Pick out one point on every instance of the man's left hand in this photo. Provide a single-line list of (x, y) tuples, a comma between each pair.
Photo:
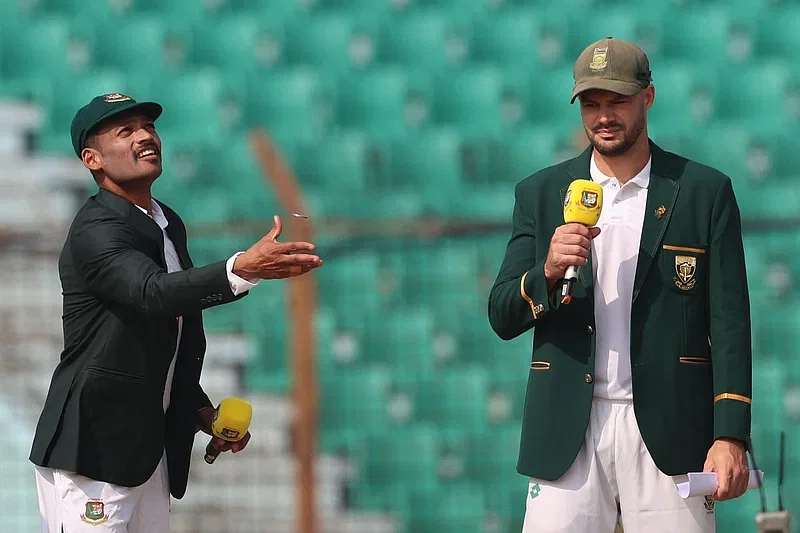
[(205, 417), (728, 459)]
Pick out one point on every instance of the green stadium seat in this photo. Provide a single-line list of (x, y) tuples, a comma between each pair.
[(402, 340), (520, 153), (492, 456), (292, 101), (350, 284), (338, 161), (261, 9), (443, 276), (470, 98), (332, 42), (505, 503), (239, 43), (754, 95), (760, 202), (371, 9), (722, 147), (47, 46), (508, 37), (391, 499), (234, 166), (176, 11), (422, 39), (484, 204), (697, 28), (205, 205), (777, 32), (375, 101), (100, 11), (67, 94), (457, 401), (162, 45), (676, 84), (467, 7), (407, 456), (403, 207), (548, 99), (460, 508), (191, 100), (620, 22), (429, 160), (355, 399)]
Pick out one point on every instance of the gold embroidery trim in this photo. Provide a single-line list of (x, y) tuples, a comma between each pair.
[(695, 360), (684, 249), (732, 396), (540, 365), (526, 297)]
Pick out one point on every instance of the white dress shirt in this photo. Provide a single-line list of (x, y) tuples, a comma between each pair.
[(614, 255), (238, 285)]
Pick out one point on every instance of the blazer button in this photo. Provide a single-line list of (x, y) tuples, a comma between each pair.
[(588, 378), (590, 329)]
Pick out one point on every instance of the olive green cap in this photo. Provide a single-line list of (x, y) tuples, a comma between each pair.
[(611, 65), (101, 108)]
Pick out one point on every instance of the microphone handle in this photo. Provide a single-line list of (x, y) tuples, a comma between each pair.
[(211, 452), (569, 282)]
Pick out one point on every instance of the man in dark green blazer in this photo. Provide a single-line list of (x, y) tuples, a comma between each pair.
[(115, 435), (646, 374)]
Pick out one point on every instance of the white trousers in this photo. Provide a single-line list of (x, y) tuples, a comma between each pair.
[(70, 503), (614, 481)]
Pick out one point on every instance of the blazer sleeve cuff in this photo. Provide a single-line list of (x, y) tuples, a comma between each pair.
[(732, 416), (533, 289)]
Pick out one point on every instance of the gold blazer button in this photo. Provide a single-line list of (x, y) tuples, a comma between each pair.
[(590, 329), (588, 378)]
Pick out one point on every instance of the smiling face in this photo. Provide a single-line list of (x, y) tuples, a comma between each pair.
[(124, 149), (614, 122)]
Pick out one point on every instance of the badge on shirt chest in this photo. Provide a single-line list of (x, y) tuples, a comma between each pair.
[(685, 270)]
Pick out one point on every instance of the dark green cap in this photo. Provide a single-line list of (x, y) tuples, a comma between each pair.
[(101, 108), (611, 65)]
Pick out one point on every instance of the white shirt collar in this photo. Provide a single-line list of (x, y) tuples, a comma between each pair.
[(156, 213), (642, 179)]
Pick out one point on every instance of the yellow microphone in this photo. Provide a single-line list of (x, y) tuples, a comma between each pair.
[(231, 423), (582, 204)]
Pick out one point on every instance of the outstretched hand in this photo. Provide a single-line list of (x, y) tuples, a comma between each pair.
[(270, 259)]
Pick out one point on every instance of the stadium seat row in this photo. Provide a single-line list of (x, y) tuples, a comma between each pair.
[(388, 102), (425, 34)]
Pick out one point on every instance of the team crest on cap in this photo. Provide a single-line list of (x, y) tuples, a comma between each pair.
[(599, 59), (115, 97)]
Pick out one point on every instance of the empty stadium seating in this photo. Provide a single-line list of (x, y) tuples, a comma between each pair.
[(393, 109)]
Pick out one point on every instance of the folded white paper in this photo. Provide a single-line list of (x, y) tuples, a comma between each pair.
[(705, 483)]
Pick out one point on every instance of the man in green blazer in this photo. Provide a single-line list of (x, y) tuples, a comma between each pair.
[(115, 435), (646, 374)]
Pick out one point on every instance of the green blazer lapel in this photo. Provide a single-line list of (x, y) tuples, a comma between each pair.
[(578, 169), (134, 215), (661, 196)]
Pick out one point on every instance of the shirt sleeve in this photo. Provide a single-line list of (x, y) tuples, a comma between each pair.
[(238, 285)]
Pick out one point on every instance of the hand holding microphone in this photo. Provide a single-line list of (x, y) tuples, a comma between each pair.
[(570, 245), (230, 424)]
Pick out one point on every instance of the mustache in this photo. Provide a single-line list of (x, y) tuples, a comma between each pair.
[(145, 146)]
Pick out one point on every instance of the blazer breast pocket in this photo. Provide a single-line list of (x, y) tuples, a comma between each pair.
[(685, 268)]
